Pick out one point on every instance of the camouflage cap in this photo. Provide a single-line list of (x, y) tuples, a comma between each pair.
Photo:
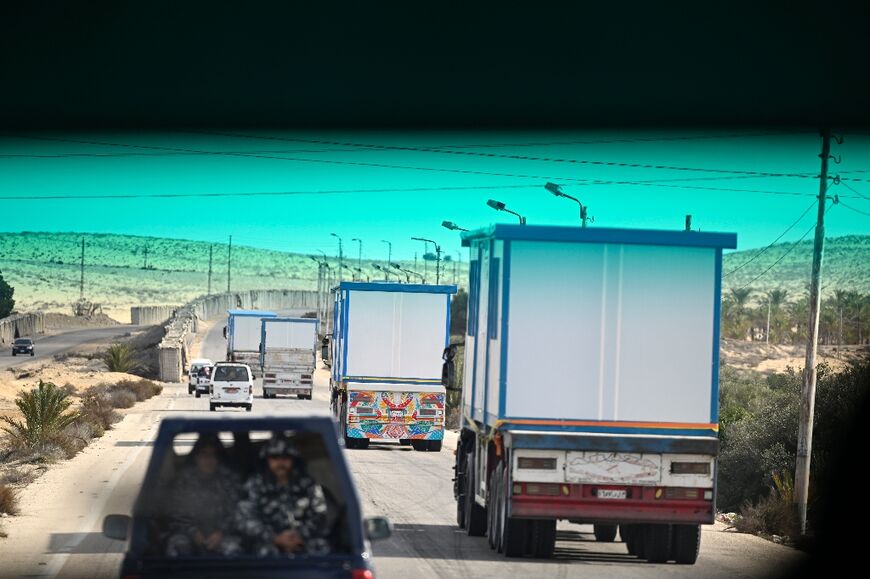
[(279, 446)]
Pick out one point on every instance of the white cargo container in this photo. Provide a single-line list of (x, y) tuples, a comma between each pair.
[(591, 387), (243, 336), (386, 370), (288, 356)]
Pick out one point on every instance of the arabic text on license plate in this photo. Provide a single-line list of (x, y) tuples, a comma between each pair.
[(611, 494)]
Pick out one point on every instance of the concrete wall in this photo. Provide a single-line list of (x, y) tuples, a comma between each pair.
[(28, 325), (150, 315), (174, 350)]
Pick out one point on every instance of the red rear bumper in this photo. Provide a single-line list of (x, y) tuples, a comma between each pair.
[(641, 506)]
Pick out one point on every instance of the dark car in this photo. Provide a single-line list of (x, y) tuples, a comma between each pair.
[(22, 346), (244, 447)]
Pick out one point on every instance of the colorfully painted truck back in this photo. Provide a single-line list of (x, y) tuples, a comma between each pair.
[(591, 385), (243, 336), (288, 356), (386, 371)]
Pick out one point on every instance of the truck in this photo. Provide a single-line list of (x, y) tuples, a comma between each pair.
[(590, 390), (243, 334), (387, 344), (288, 356)]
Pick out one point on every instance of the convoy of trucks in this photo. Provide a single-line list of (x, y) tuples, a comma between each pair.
[(386, 362), (243, 334), (590, 387), (288, 357)]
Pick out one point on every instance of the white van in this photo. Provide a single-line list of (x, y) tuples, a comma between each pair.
[(194, 377), (232, 384)]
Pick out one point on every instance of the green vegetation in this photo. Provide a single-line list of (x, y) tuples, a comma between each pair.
[(6, 301), (8, 500), (844, 317), (121, 358), (758, 435), (45, 411)]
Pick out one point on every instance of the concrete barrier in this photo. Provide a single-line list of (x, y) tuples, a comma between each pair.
[(150, 315), (28, 325), (174, 350)]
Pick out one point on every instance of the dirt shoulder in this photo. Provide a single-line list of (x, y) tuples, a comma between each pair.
[(773, 358)]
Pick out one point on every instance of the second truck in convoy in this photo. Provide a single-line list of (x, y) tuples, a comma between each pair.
[(243, 334), (386, 362), (591, 387), (288, 356)]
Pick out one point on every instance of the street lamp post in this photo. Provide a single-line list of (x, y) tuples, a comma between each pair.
[(499, 206), (359, 256), (452, 226), (340, 256), (557, 191), (437, 257), (389, 259), (408, 272)]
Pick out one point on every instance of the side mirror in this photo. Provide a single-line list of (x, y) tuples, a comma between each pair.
[(116, 527), (377, 528)]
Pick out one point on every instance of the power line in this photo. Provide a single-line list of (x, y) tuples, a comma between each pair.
[(789, 250), (166, 154), (513, 157), (853, 190), (763, 250), (625, 140), (850, 208)]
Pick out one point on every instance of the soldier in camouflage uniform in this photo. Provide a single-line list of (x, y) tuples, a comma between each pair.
[(201, 504), (282, 510)]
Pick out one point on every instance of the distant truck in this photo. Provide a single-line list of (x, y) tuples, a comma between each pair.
[(591, 387), (288, 356), (243, 334), (386, 362)]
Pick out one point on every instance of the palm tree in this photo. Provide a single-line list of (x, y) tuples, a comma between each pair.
[(839, 305), (740, 298), (774, 300)]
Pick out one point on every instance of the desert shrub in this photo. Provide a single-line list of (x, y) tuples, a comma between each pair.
[(8, 500), (774, 514), (758, 436), (121, 358), (69, 389), (46, 415), (142, 389), (97, 409), (17, 476), (122, 398)]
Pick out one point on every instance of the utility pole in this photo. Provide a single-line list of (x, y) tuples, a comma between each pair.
[(145, 265), (808, 392), (767, 331), (210, 252), (229, 262), (389, 259), (82, 281), (359, 256)]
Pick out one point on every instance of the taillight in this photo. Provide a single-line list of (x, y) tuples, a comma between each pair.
[(537, 463), (362, 574), (683, 493), (690, 468)]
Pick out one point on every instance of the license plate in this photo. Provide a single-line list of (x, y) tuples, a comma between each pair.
[(232, 390), (611, 494)]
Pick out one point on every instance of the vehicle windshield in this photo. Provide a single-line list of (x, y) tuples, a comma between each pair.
[(231, 374), (243, 494), (23, 342)]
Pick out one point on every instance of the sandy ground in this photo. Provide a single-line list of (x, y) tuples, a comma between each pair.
[(58, 532), (769, 359)]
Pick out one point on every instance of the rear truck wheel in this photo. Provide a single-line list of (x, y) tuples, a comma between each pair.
[(685, 544), (604, 533), (405, 441), (300, 396), (32, 352), (189, 389), (627, 534), (657, 543), (492, 511), (198, 394), (543, 538), (459, 485), (420, 445), (211, 407), (435, 445), (475, 524), (514, 533)]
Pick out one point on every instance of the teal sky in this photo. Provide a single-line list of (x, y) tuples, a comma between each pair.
[(161, 163)]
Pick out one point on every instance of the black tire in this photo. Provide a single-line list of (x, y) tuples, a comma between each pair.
[(685, 544), (514, 534), (435, 445), (405, 441), (420, 445), (543, 538), (248, 407), (32, 353), (211, 407), (300, 396), (492, 534), (459, 486), (475, 514), (13, 353), (628, 534), (604, 533), (657, 543), (198, 394)]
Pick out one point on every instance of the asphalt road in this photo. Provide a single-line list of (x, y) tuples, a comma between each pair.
[(47, 346), (58, 532)]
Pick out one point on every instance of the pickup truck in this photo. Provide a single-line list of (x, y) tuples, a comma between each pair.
[(145, 532)]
